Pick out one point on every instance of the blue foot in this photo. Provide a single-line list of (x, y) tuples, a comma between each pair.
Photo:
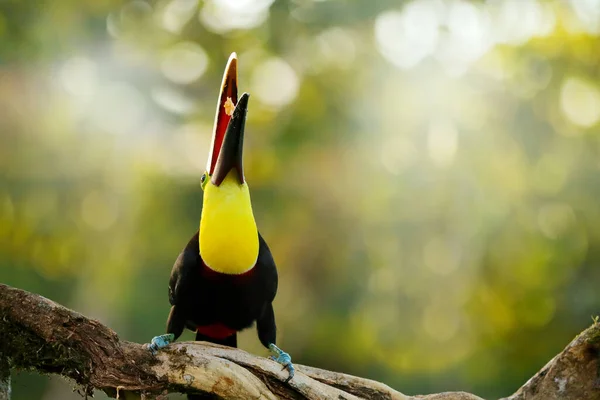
[(284, 359), (158, 342)]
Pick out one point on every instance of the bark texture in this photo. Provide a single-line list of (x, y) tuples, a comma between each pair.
[(4, 379), (39, 334)]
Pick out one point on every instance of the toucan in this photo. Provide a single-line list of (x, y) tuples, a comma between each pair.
[(225, 278)]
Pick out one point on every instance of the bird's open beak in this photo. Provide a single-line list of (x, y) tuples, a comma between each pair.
[(228, 133), (230, 154)]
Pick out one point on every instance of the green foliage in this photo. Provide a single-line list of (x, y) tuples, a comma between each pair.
[(425, 176)]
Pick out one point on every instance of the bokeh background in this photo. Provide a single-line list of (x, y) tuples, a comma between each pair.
[(426, 172)]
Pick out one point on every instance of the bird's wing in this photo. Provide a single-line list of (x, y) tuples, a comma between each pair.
[(181, 274), (268, 270)]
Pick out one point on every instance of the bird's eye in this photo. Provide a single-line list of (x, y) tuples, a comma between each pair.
[(203, 178)]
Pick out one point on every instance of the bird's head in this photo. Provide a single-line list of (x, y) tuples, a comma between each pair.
[(228, 233)]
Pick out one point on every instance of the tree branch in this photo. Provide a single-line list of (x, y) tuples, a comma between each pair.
[(39, 334), (572, 374), (4, 378)]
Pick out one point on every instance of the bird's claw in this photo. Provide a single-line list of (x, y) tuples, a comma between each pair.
[(284, 359), (158, 342)]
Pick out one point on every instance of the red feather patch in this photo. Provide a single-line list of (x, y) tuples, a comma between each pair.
[(216, 331)]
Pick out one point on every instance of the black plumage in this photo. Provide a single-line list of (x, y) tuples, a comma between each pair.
[(201, 297)]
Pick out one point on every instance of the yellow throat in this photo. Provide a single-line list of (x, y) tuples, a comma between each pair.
[(228, 233)]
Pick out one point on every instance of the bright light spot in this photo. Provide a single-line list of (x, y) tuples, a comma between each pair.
[(468, 39), (184, 63), (397, 154), (440, 256), (135, 11), (458, 32), (588, 12), (119, 108), (337, 47), (196, 138), (177, 13), (182, 155), (547, 22), (306, 54), (131, 15), (580, 102), (99, 211), (405, 38), (554, 219), (172, 100), (221, 16), (533, 20), (275, 82), (79, 76), (442, 143)]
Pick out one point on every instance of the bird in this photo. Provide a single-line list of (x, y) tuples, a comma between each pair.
[(225, 278)]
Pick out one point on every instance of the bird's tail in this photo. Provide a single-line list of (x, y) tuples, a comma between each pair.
[(230, 341)]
